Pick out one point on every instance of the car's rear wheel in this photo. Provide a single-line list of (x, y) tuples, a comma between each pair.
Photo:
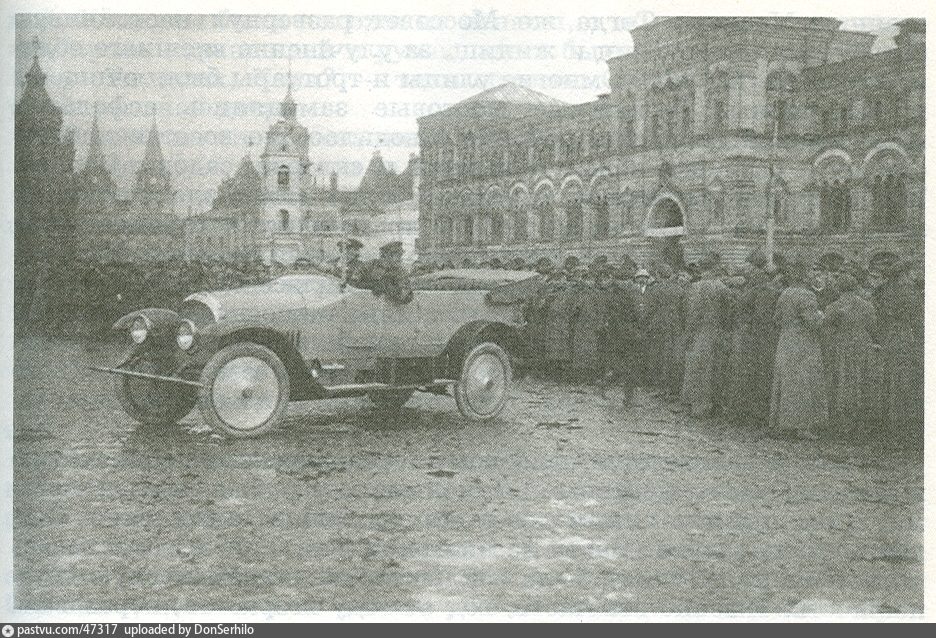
[(150, 401), (245, 390), (389, 400), (481, 391)]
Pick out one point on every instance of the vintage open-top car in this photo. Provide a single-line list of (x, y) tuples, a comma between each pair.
[(242, 355)]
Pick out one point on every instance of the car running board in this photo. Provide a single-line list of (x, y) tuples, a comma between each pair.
[(359, 389)]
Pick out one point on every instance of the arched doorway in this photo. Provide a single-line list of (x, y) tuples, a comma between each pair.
[(665, 225)]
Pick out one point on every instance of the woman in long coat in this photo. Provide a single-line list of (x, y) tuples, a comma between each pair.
[(798, 402), (850, 323)]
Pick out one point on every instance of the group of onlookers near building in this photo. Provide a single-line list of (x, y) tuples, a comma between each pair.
[(806, 349)]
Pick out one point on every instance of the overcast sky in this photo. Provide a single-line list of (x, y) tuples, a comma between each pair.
[(215, 82)]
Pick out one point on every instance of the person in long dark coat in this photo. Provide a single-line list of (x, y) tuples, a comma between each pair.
[(798, 403), (739, 404), (559, 326), (664, 326), (850, 323), (589, 324), (708, 305), (761, 297), (900, 308), (735, 351), (536, 314), (623, 333)]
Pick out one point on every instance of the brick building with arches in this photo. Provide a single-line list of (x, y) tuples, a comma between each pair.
[(711, 125)]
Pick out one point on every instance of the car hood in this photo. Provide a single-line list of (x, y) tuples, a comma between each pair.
[(293, 292)]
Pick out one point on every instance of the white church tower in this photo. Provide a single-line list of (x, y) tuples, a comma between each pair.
[(285, 161)]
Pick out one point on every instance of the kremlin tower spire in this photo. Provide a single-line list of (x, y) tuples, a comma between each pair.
[(95, 157)]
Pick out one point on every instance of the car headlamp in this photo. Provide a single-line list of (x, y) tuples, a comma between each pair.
[(140, 329), (185, 336)]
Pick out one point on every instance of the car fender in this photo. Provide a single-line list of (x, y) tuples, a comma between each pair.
[(161, 319), (475, 332), (303, 385)]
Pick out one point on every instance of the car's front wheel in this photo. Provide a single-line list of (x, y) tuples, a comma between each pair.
[(481, 391), (245, 390), (151, 401)]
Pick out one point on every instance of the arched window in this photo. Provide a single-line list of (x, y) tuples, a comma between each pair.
[(571, 198), (887, 175), (835, 206), (468, 230), (834, 177), (888, 201), (546, 214), (492, 209), (284, 219), (282, 178), (781, 87), (602, 217), (627, 211), (574, 220), (519, 223), (497, 227), (717, 102), (519, 204)]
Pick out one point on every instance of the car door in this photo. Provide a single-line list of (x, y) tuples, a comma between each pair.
[(398, 323), (361, 323)]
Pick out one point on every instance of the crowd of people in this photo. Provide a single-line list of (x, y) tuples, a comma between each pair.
[(87, 297), (806, 349)]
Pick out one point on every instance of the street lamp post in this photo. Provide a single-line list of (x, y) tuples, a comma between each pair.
[(769, 213)]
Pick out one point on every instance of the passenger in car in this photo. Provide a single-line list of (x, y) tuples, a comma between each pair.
[(387, 276)]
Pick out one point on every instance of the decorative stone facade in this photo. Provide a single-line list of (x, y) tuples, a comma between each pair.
[(678, 158)]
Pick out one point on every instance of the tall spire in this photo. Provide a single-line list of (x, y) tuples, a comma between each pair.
[(35, 108), (288, 106), (35, 78), (95, 153), (152, 156)]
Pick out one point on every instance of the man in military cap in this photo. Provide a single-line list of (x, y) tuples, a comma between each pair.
[(387, 276)]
